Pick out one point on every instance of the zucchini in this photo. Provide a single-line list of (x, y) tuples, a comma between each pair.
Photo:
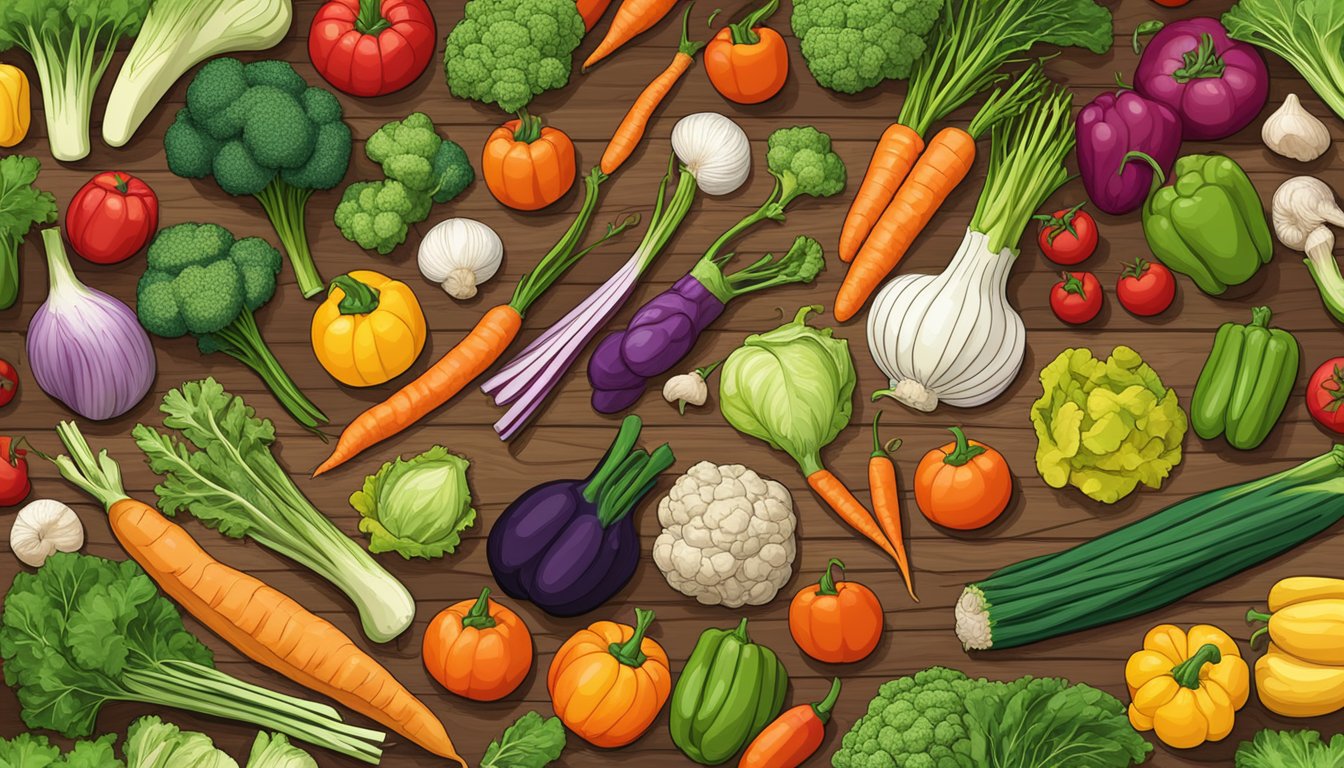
[(1154, 561)]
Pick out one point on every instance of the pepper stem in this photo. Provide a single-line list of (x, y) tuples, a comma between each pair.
[(741, 631), (360, 297), (479, 616), (370, 20), (1260, 317), (529, 127), (826, 584), (964, 451), (1187, 672), (1201, 62), (1253, 616), (630, 652), (1159, 175), (121, 184), (822, 709), (744, 32)]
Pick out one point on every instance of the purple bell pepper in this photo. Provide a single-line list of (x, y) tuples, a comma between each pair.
[(1112, 126), (1216, 85), (570, 545)]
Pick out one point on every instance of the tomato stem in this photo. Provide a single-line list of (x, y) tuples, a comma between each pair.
[(1137, 269), (479, 616), (1336, 392), (826, 584), (370, 20), (1072, 284), (964, 451), (1059, 224), (120, 182)]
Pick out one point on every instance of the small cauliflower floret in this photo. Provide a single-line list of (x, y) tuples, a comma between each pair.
[(727, 536)]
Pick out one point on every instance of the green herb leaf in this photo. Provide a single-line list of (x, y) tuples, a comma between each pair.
[(531, 742), (1290, 749)]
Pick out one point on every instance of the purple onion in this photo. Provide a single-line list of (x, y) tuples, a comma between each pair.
[(1110, 127), (86, 348), (1216, 85)]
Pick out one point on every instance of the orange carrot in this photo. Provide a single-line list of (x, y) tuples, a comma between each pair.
[(940, 169), (892, 159), (633, 18), (851, 510), (263, 623), (887, 501), (631, 129), (591, 11)]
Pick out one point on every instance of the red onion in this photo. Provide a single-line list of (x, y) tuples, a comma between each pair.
[(86, 348)]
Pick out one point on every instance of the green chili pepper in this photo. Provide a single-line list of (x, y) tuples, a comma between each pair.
[(730, 689), (1246, 382), (1208, 224)]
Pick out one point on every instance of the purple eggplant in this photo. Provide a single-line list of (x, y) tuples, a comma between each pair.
[(665, 329), (1112, 126), (1216, 85), (570, 545)]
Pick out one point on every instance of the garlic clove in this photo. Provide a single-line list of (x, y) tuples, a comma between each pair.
[(460, 283), (1294, 132), (42, 528)]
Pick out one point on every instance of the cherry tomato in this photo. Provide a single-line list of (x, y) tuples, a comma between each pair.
[(1077, 297), (1146, 288), (1068, 236), (9, 382), (111, 217), (1325, 395)]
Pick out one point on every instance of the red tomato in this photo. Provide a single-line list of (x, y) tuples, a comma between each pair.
[(112, 217), (1325, 394), (1146, 288), (372, 47), (1068, 236), (9, 382), (1171, 3), (1077, 297)]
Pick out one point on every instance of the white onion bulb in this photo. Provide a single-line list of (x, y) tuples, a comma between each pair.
[(714, 149), (459, 255)]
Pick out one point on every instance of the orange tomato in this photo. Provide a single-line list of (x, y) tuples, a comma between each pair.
[(747, 72), (608, 682), (837, 622), (963, 485), (478, 649), (526, 166)]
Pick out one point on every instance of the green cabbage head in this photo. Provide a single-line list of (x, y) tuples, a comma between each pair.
[(1106, 426), (791, 387), (418, 508)]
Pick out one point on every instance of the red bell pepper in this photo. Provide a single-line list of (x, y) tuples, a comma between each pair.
[(14, 484), (372, 47), (9, 382)]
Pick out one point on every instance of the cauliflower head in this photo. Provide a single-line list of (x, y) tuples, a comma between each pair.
[(727, 536)]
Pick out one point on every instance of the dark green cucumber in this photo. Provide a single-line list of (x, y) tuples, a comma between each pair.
[(1213, 390)]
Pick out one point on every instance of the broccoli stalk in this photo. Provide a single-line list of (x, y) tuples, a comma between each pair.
[(200, 281), (71, 43), (21, 206), (287, 206)]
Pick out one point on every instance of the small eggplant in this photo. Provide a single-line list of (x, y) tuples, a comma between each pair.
[(570, 545)]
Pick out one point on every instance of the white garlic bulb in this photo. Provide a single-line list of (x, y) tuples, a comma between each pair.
[(686, 389), (42, 528), (459, 255), (714, 149), (1294, 132)]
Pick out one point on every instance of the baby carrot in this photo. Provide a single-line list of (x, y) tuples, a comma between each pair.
[(887, 500), (850, 510)]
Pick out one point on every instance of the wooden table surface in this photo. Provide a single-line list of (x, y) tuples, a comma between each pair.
[(568, 438)]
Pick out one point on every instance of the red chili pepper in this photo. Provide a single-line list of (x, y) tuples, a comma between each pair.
[(14, 485), (793, 736), (9, 382), (372, 47)]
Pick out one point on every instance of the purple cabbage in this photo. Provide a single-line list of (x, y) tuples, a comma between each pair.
[(1112, 126), (1216, 85), (570, 545)]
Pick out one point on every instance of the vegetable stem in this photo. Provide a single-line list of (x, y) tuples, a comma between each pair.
[(687, 46), (529, 127), (744, 32), (741, 632), (479, 616), (630, 653), (564, 253), (360, 298), (1201, 62), (99, 477), (616, 454), (823, 708), (61, 274), (1149, 27), (1187, 672), (286, 206), (964, 451), (826, 584), (241, 340), (370, 20), (881, 450)]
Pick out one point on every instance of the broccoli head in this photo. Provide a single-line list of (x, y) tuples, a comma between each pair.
[(420, 169), (505, 52), (917, 721), (851, 45), (260, 130), (802, 159), (200, 280)]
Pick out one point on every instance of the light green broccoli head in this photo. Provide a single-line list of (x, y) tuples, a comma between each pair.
[(505, 52), (376, 215), (852, 45), (917, 721), (411, 152), (199, 279), (802, 159)]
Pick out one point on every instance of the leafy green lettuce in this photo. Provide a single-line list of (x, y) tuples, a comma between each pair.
[(273, 750), (531, 742), (418, 508), (152, 743), (1290, 749), (1106, 426), (29, 750), (1308, 33)]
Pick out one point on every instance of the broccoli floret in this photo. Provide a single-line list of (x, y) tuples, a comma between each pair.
[(420, 169), (851, 45), (914, 722), (505, 52), (200, 280), (802, 159), (260, 130)]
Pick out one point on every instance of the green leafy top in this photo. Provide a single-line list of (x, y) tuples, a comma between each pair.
[(68, 31), (531, 742), (1308, 33), (417, 508), (21, 205), (505, 52), (30, 750), (1291, 749)]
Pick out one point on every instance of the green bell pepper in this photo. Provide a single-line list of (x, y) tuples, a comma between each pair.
[(1246, 382), (1208, 224), (730, 689)]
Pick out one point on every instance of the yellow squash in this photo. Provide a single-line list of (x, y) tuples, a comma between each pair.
[(15, 106), (1186, 686), (1302, 673), (369, 330)]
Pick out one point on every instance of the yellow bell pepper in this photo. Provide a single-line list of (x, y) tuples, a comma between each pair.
[(369, 330), (15, 105), (1187, 686), (1302, 673)]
